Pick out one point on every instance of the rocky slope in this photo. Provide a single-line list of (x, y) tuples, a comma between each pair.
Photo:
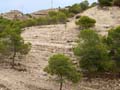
[(106, 18), (51, 39), (46, 41)]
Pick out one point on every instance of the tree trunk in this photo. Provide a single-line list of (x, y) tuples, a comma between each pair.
[(13, 60), (61, 83)]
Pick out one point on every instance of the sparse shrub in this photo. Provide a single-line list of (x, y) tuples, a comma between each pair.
[(94, 4), (52, 13), (105, 2), (30, 22), (30, 16), (78, 16), (57, 17), (85, 22), (84, 5), (67, 13), (61, 17), (75, 8), (43, 21), (116, 2)]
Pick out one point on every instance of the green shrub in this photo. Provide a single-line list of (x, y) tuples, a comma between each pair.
[(113, 41), (116, 2), (105, 2), (43, 21), (11, 43), (94, 4), (92, 53), (67, 13), (30, 16), (75, 8), (84, 5), (57, 17), (85, 22), (62, 17), (78, 16)]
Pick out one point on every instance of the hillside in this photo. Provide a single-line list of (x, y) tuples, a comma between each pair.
[(47, 40), (15, 14), (106, 18)]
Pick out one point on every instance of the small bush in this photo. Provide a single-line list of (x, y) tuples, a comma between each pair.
[(78, 16), (94, 4), (85, 22), (105, 2), (75, 9), (84, 5), (67, 13), (116, 2), (30, 16), (57, 17)]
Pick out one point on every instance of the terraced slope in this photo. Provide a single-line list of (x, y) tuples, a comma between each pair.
[(106, 18), (46, 41), (51, 39)]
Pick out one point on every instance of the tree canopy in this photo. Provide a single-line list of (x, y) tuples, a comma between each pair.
[(113, 41), (11, 42), (61, 66), (92, 52)]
